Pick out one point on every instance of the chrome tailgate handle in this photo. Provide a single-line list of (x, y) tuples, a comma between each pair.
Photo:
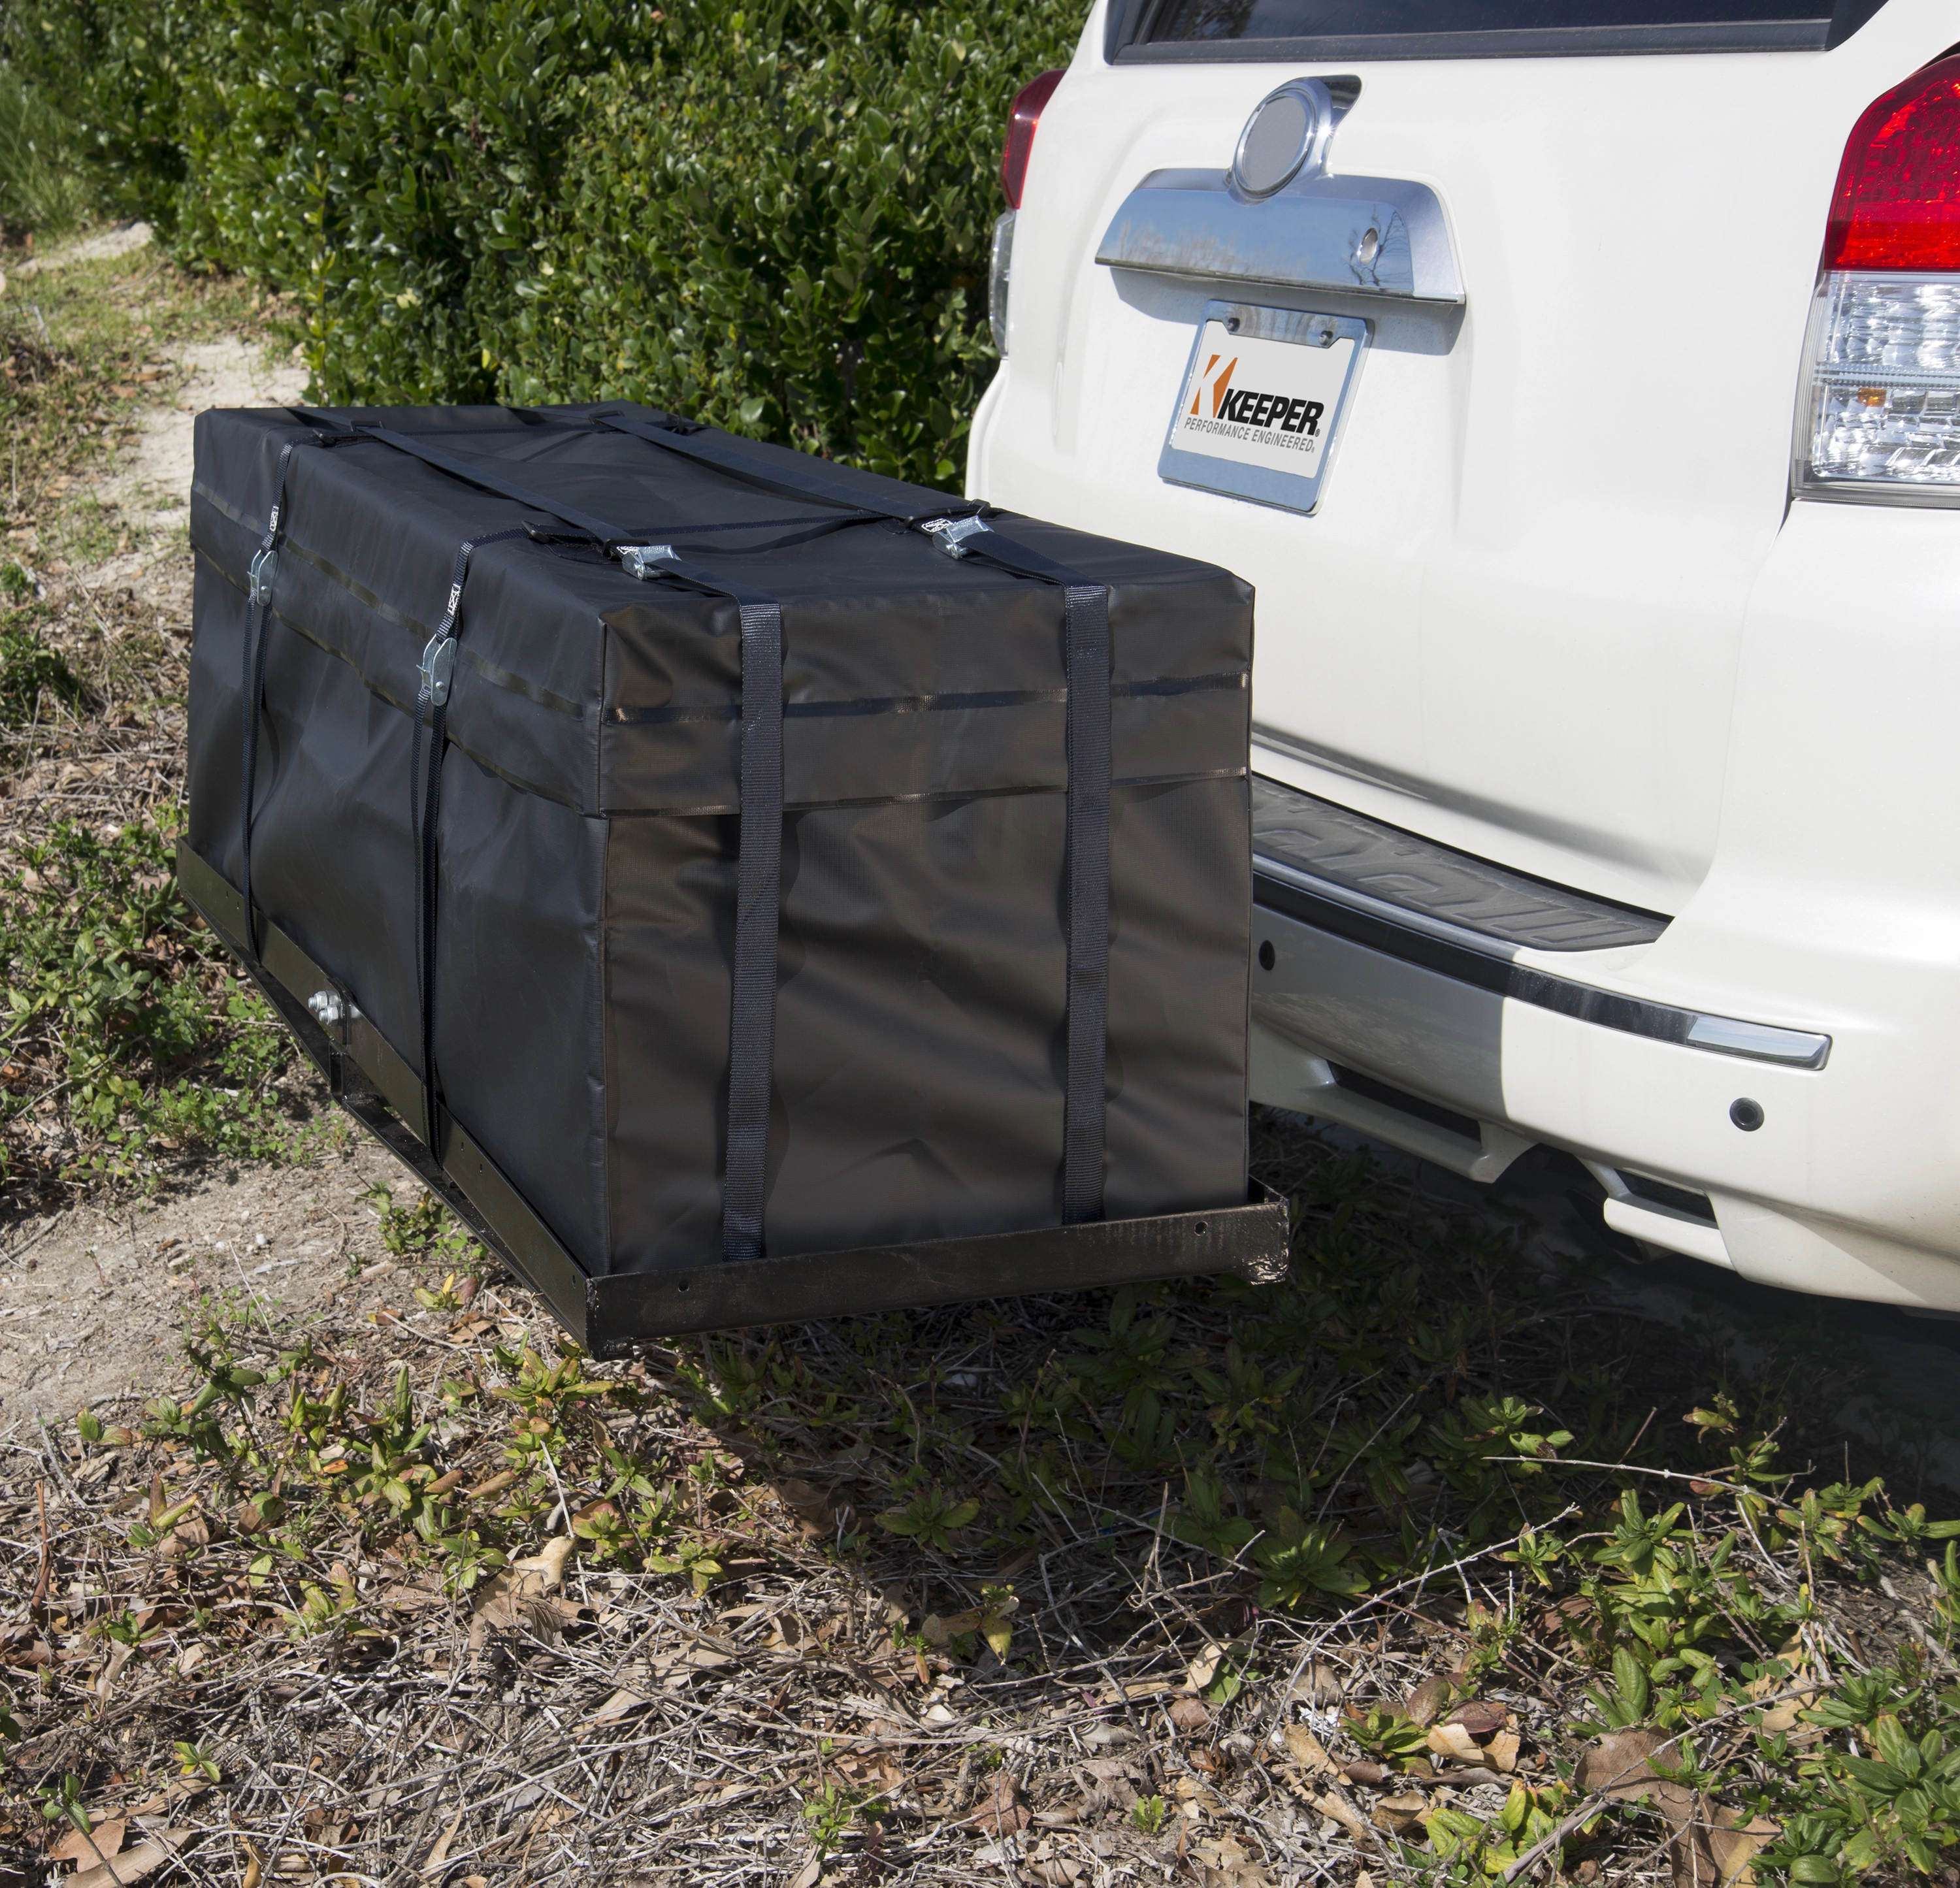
[(1372, 236)]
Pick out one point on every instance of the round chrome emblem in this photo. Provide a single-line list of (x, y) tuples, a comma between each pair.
[(1287, 133)]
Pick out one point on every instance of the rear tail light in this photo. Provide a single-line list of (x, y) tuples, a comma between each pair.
[(1023, 116), (1881, 417)]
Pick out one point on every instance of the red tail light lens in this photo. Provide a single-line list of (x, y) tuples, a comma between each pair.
[(1897, 205), (1022, 120)]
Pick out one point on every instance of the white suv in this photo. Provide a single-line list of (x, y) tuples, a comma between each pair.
[(1576, 380)]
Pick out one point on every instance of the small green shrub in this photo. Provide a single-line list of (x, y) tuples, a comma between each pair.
[(33, 676)]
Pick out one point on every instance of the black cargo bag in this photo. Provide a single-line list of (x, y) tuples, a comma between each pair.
[(810, 893)]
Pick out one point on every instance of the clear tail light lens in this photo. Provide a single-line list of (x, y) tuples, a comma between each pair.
[(1000, 268), (1884, 395), (1881, 415)]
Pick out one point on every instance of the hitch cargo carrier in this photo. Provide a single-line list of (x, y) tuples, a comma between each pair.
[(744, 888)]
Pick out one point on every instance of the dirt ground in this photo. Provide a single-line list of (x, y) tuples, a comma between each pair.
[(94, 1301)]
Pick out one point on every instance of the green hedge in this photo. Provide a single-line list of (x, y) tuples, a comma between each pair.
[(775, 217)]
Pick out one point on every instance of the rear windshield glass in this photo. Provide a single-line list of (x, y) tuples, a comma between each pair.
[(1446, 28)]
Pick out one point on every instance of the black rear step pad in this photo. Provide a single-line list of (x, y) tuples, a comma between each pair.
[(608, 1315), (1408, 898), (1387, 865)]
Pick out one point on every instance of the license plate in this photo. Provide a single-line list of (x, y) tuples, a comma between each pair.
[(1262, 402)]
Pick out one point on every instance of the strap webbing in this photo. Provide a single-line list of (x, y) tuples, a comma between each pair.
[(262, 575), (1086, 643), (752, 995), (475, 472), (1086, 625), (252, 687), (425, 810), (472, 471), (706, 445), (752, 1004)]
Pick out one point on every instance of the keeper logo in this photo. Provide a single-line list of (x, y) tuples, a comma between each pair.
[(1241, 406)]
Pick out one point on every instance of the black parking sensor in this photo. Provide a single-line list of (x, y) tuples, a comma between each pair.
[(1748, 1115)]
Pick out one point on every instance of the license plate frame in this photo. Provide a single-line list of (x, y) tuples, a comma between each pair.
[(1251, 461)]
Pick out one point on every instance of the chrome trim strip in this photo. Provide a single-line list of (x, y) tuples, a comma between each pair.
[(1758, 1041), (1311, 234), (1431, 945)]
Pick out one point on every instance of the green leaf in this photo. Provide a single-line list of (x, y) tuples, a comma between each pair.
[(1630, 1680)]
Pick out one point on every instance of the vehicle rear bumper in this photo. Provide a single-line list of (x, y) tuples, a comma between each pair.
[(1848, 1188)]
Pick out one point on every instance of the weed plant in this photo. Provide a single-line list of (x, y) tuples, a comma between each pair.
[(45, 189)]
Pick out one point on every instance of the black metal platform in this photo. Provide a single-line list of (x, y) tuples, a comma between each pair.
[(608, 1315)]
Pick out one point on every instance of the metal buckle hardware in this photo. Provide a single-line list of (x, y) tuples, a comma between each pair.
[(951, 534), (438, 665), (643, 561), (260, 575)]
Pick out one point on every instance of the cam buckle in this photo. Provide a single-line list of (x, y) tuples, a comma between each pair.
[(951, 534), (437, 667), (260, 575), (643, 561)]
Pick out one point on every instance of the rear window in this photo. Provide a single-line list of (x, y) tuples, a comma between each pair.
[(1471, 29)]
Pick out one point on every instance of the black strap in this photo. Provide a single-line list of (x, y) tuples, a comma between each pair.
[(251, 685), (475, 472), (1086, 625), (472, 472), (1086, 642), (262, 575), (758, 874), (758, 871), (706, 445), (438, 665)]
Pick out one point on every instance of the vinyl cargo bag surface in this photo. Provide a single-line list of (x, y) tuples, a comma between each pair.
[(808, 896)]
